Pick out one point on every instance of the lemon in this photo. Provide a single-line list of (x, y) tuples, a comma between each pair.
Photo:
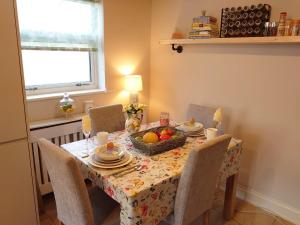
[(150, 137)]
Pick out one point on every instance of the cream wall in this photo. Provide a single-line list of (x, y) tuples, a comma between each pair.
[(126, 44), (258, 87)]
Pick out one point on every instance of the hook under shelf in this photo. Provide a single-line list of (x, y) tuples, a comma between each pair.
[(179, 48)]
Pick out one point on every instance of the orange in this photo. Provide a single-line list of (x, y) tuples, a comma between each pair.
[(150, 137)]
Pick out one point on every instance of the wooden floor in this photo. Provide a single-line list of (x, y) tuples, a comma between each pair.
[(246, 214)]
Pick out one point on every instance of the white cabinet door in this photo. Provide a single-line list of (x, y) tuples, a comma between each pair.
[(12, 115), (16, 188)]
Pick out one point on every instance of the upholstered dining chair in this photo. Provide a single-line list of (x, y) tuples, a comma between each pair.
[(75, 205), (107, 118), (203, 114), (196, 188)]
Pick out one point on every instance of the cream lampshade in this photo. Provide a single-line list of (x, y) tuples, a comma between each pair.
[(133, 84)]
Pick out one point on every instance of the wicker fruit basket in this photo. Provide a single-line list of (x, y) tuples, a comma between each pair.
[(161, 146)]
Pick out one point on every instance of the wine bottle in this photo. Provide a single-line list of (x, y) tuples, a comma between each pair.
[(244, 32), (251, 23), (252, 15), (266, 16), (259, 14), (239, 9), (245, 15), (238, 24), (226, 10), (258, 22), (225, 25), (232, 9), (231, 24), (237, 32), (250, 31), (253, 7), (224, 33), (231, 32), (226, 16), (232, 16), (244, 23), (260, 7), (239, 16), (246, 8), (257, 31), (267, 7)]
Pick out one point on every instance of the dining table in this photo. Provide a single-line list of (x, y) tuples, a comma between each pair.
[(147, 195)]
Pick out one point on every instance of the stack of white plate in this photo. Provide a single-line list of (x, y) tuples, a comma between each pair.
[(109, 159), (192, 130)]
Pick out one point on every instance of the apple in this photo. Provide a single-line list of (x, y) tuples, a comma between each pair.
[(170, 132), (164, 132), (164, 137), (110, 146), (157, 133)]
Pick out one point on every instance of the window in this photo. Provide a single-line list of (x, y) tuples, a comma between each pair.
[(60, 41)]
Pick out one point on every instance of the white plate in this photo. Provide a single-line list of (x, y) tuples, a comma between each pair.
[(110, 163), (90, 161), (101, 153), (197, 127)]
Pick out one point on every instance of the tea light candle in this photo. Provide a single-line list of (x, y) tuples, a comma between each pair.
[(164, 119), (218, 115)]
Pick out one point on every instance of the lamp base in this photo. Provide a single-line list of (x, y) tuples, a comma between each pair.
[(134, 98)]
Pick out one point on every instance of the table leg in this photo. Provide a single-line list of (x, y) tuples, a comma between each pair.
[(230, 196)]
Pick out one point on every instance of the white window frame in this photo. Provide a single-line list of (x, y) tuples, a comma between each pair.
[(69, 87)]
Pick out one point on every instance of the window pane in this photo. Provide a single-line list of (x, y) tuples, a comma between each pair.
[(55, 67)]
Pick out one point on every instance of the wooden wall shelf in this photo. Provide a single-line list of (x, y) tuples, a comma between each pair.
[(231, 41)]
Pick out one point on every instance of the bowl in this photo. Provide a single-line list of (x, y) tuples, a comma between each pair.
[(104, 154)]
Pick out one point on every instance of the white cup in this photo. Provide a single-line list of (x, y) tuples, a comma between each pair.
[(102, 138), (211, 133)]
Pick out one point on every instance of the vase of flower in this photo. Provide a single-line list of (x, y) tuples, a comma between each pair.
[(134, 117), (66, 105)]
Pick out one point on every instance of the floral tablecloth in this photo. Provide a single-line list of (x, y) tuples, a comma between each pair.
[(147, 196)]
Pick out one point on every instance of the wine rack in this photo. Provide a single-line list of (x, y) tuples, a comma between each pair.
[(247, 21)]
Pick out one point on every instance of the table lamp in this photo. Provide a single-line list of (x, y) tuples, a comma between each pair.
[(133, 84)]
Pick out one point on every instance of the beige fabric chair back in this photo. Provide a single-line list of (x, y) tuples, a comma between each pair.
[(197, 184), (107, 118), (202, 114), (71, 196)]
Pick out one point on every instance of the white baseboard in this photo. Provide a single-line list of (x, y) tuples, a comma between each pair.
[(281, 209)]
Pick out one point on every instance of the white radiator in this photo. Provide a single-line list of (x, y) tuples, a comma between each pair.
[(58, 134)]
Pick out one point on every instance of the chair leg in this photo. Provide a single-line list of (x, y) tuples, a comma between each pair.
[(41, 206), (206, 217)]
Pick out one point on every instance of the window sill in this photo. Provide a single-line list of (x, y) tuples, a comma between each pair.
[(33, 98)]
